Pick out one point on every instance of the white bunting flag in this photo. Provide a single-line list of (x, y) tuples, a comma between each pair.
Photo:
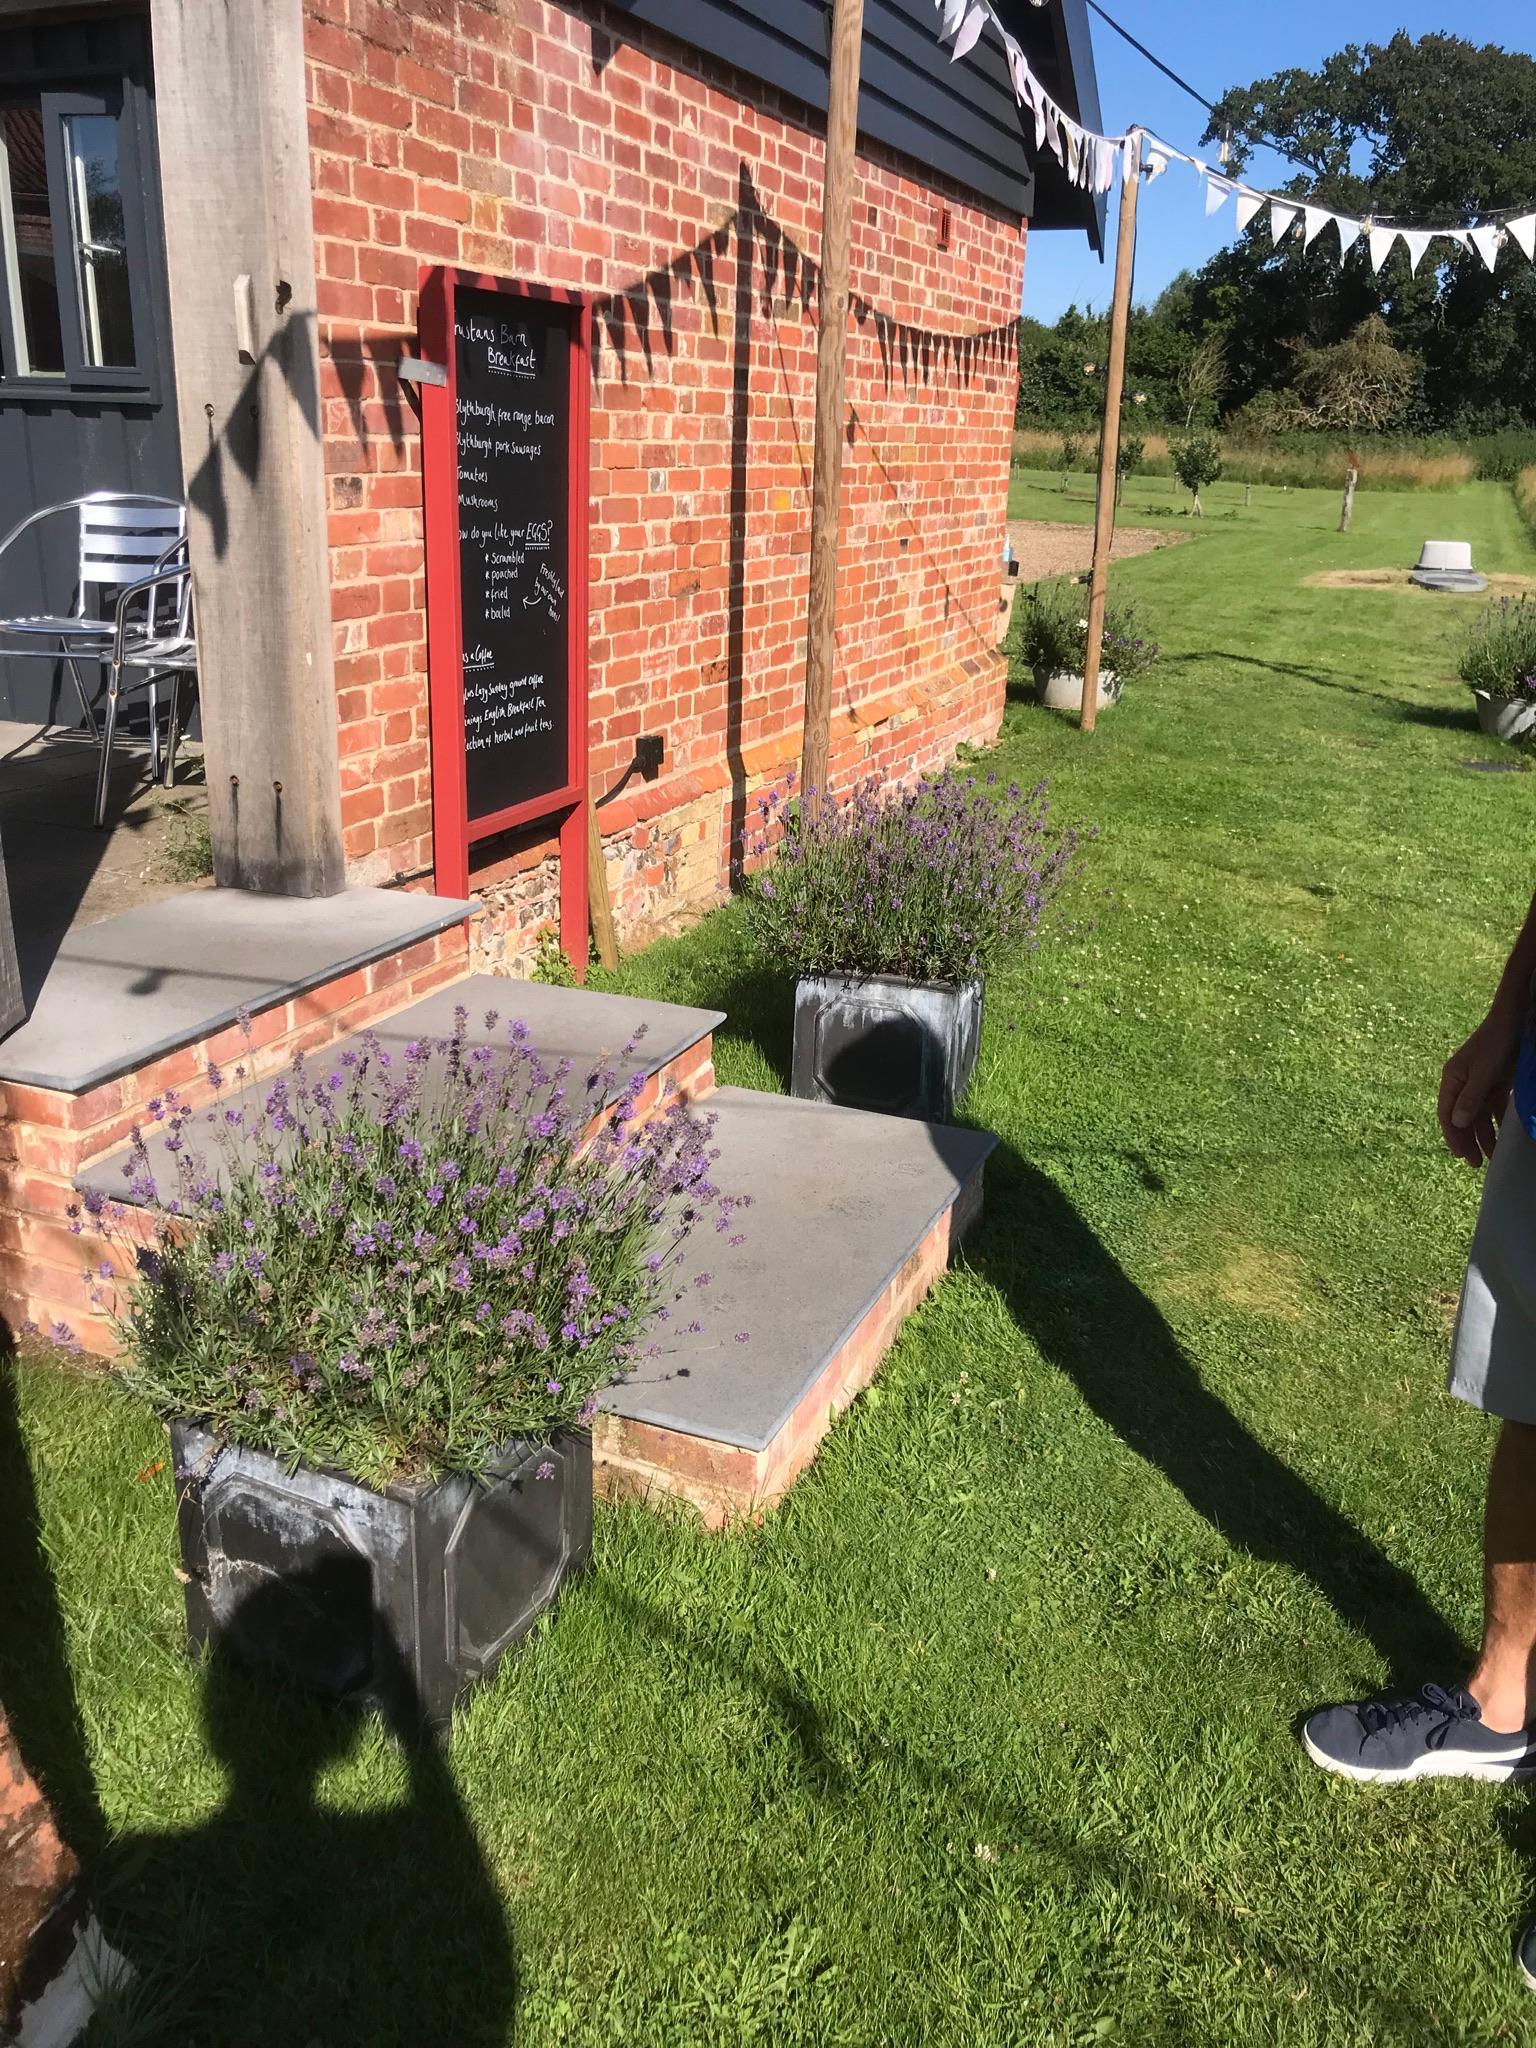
[(1072, 135), (1314, 220), (1023, 82), (1485, 241), (970, 33), (1381, 246), (1089, 161)]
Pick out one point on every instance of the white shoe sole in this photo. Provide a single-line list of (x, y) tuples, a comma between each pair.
[(1529, 1980), (1492, 1770)]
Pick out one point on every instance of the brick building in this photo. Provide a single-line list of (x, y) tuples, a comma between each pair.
[(685, 198), (663, 158), (216, 228)]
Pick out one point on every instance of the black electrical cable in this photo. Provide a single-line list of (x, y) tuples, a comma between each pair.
[(1141, 49), (1302, 163)]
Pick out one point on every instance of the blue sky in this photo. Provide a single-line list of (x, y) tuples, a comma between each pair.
[(1216, 44)]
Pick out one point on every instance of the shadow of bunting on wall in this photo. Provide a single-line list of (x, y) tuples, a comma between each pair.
[(789, 279), (291, 348)]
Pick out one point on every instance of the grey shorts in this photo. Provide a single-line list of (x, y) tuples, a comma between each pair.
[(1493, 1347)]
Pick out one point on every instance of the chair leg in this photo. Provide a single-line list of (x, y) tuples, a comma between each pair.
[(80, 690), (154, 730), (172, 729), (104, 769)]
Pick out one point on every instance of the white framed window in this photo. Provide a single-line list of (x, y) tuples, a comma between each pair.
[(73, 257)]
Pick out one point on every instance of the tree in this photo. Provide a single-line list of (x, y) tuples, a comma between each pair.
[(1362, 384), (1434, 129), (1203, 378), (1196, 463), (1128, 453)]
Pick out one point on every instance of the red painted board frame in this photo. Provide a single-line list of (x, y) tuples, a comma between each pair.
[(453, 830)]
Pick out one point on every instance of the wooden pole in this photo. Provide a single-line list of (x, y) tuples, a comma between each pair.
[(1348, 513), (597, 884), (831, 383), (240, 248), (1109, 440)]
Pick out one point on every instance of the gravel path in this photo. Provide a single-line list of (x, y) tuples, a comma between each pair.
[(1046, 549)]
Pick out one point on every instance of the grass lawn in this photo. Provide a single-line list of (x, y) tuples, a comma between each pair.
[(987, 1736)]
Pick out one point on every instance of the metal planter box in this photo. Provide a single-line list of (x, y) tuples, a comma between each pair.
[(905, 1048), (401, 1599)]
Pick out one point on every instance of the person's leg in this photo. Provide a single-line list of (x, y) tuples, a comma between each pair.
[(1482, 1729), (1503, 1681)]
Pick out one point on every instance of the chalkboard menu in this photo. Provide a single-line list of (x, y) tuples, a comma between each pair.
[(513, 427)]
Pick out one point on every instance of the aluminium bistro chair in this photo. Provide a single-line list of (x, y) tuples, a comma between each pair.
[(152, 633), (122, 536)]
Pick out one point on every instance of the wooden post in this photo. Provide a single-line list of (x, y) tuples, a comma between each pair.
[(831, 381), (1109, 440), (1350, 480), (597, 884), (240, 254)]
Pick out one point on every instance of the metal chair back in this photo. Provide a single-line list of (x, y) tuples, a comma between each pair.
[(123, 540)]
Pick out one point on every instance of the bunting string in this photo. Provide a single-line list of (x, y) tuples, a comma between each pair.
[(1090, 161)]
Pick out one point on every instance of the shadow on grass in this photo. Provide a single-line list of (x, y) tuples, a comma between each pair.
[(1089, 1319), (283, 1918), (1070, 1296), (849, 1764), (1325, 678), (37, 1687), (1441, 717)]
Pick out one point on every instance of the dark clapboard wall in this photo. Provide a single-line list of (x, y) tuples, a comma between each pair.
[(957, 119)]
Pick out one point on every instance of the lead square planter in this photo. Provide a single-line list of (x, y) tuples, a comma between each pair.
[(400, 1599), (904, 1048)]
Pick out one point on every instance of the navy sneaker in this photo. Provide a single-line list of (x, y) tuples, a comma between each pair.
[(1439, 1734), (1525, 1955)]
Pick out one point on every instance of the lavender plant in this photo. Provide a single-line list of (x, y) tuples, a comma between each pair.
[(930, 884), (1500, 654), (397, 1266), (1055, 633)]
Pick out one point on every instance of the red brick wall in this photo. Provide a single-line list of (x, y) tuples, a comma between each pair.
[(551, 142)]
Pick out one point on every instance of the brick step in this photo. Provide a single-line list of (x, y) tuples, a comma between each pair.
[(854, 1218), (675, 1050), (131, 990), (137, 1004)]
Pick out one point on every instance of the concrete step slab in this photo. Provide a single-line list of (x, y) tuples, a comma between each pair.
[(120, 993), (674, 1046), (854, 1217)]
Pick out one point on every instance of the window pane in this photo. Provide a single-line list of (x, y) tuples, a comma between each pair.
[(26, 242), (106, 313)]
